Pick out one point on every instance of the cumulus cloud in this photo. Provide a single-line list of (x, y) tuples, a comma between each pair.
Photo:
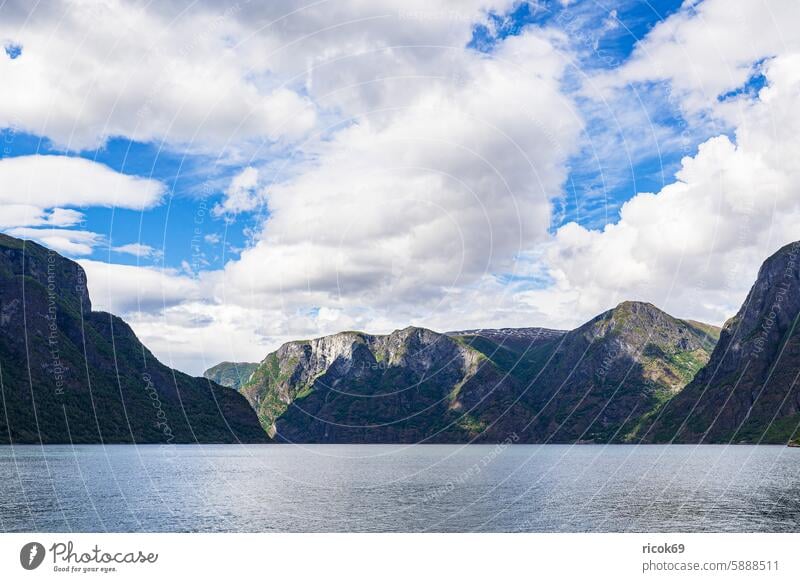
[(405, 203), (194, 336), (126, 289), (58, 181), (206, 76), (241, 195), (48, 184), (177, 316), (93, 71), (431, 184), (709, 48), (695, 246), (405, 215), (421, 177)]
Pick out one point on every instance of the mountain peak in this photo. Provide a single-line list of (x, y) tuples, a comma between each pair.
[(645, 319), (636, 306), (628, 317), (60, 276)]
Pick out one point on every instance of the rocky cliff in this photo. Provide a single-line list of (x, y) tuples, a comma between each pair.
[(749, 390), (72, 375), (355, 387)]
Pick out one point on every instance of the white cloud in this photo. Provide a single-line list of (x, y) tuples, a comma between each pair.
[(48, 184), (12, 215), (709, 48), (92, 71), (58, 181), (408, 202), (424, 175), (241, 195), (127, 289), (177, 316), (138, 250), (401, 217), (437, 170), (194, 336), (209, 76), (694, 248), (70, 242)]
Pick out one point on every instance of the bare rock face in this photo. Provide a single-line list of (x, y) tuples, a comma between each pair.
[(73, 375), (355, 387), (749, 390), (530, 385)]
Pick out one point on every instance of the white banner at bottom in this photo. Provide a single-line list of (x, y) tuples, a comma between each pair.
[(397, 557)]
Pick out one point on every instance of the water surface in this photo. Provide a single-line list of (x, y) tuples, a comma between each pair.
[(377, 488)]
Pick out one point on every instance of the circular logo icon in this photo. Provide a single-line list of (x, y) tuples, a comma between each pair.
[(31, 555)]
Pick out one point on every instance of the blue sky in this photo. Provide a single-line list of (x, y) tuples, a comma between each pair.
[(604, 35), (193, 182)]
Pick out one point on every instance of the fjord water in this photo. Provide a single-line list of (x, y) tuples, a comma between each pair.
[(376, 488)]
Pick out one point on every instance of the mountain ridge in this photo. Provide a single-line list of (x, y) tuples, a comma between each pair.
[(631, 374), (472, 385)]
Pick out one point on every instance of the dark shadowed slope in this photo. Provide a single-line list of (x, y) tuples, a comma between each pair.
[(748, 392), (68, 374)]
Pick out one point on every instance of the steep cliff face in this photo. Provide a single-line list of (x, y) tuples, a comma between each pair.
[(68, 374), (749, 390), (414, 385), (354, 387), (230, 374)]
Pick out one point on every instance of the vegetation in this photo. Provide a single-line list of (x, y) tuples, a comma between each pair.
[(72, 375), (748, 391)]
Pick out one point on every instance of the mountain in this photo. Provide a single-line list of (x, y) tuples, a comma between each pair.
[(230, 374), (70, 374), (355, 387), (596, 383), (749, 390)]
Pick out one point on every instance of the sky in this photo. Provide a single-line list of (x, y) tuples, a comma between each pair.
[(234, 177)]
